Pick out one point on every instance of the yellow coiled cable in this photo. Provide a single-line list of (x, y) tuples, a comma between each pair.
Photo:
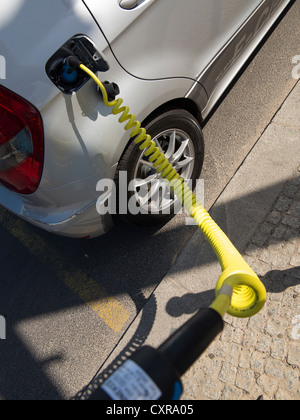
[(239, 291)]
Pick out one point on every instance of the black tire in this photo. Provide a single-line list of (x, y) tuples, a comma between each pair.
[(176, 121)]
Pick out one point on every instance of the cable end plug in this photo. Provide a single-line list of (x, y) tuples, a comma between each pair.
[(70, 70), (112, 90), (73, 62)]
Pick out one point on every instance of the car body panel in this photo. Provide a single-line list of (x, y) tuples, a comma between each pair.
[(220, 72), (45, 26), (249, 34), (169, 38)]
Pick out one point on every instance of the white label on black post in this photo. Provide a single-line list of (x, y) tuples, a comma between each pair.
[(131, 383)]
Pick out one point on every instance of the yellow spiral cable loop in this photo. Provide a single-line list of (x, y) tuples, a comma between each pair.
[(239, 291)]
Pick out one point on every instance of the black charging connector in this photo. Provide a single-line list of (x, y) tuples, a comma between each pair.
[(155, 374), (63, 67), (112, 90)]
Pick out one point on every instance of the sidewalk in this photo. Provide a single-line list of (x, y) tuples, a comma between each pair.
[(260, 357), (260, 212)]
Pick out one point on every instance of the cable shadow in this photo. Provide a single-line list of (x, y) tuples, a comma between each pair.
[(135, 343), (275, 281)]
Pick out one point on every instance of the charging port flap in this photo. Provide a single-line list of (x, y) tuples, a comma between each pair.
[(70, 80)]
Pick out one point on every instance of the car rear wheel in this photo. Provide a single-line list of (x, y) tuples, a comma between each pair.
[(150, 200)]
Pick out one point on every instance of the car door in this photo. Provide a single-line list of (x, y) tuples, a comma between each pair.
[(169, 38)]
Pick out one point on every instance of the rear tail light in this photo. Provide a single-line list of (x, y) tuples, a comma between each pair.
[(21, 143)]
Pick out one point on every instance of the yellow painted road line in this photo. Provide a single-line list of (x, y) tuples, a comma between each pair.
[(109, 309)]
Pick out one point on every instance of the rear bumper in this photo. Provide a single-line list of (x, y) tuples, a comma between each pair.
[(85, 223), (69, 210)]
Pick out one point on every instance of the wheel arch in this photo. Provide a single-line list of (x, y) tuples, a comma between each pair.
[(179, 103)]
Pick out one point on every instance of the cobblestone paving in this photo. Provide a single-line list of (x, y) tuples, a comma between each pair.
[(259, 358)]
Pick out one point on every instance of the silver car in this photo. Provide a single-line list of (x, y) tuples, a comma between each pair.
[(66, 164)]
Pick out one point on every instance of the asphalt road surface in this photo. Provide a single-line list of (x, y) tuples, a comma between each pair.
[(68, 303)]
